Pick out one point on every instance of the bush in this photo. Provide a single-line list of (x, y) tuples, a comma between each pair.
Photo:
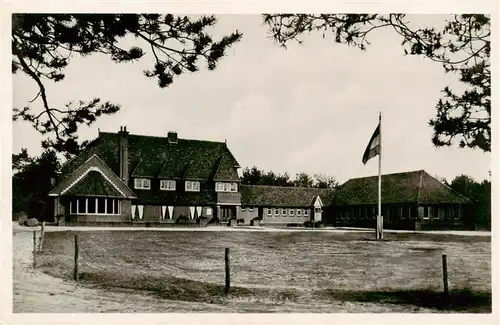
[(319, 224), (241, 220), (182, 220), (308, 224), (294, 225), (214, 220)]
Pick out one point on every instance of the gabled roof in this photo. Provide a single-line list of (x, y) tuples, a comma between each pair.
[(75, 177), (155, 157), (281, 196), (93, 184), (408, 187)]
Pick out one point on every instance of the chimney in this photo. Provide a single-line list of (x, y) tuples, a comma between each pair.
[(172, 137), (123, 154)]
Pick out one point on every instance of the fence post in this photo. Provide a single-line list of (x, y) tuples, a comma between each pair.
[(34, 249), (75, 271), (228, 274), (42, 234), (445, 279)]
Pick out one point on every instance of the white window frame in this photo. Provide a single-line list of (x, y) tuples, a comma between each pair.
[(142, 183), (167, 185), (291, 212), (192, 186), (426, 208), (276, 211), (299, 212), (226, 187), (306, 212), (243, 209), (269, 211), (113, 213), (250, 209), (283, 212)]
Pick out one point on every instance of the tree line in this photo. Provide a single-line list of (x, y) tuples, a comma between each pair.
[(480, 195), (256, 176)]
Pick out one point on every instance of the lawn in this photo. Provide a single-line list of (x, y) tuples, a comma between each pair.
[(303, 268)]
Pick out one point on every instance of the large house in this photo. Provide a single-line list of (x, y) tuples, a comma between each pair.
[(411, 200), (122, 177)]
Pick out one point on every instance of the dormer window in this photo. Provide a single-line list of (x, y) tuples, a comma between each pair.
[(192, 186), (167, 185), (226, 187), (142, 183)]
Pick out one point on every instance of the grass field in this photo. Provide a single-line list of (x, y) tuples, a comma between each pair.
[(303, 268)]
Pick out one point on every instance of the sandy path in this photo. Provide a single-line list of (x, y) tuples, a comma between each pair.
[(37, 292)]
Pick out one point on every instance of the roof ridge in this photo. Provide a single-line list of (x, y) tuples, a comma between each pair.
[(161, 137), (390, 174)]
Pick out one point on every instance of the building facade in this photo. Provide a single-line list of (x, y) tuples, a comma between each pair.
[(121, 177), (282, 205), (412, 200)]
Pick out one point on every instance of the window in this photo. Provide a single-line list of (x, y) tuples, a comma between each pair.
[(94, 205), (436, 212), (306, 212), (276, 212), (250, 209), (426, 213), (101, 205), (291, 212), (283, 212), (317, 210), (192, 186), (226, 187), (299, 212), (142, 183), (167, 185), (243, 209), (73, 206), (82, 206), (269, 211)]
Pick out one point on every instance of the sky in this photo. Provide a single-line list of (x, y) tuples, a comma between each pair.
[(310, 108)]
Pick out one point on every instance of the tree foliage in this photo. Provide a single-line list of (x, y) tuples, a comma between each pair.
[(32, 180), (256, 176), (462, 46), (479, 194), (44, 44)]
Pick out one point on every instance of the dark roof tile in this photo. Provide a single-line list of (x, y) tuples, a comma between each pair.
[(408, 187), (286, 196)]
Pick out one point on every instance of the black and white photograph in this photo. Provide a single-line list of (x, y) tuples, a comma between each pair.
[(284, 162)]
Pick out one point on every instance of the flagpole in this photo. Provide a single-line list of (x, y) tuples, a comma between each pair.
[(380, 220)]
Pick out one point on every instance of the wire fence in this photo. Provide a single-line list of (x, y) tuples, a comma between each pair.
[(302, 262)]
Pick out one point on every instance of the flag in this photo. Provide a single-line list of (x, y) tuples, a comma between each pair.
[(373, 147)]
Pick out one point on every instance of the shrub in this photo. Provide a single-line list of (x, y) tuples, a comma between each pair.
[(182, 220), (241, 220), (294, 225), (308, 224), (319, 224), (214, 220)]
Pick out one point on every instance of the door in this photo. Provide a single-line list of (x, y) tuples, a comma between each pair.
[(226, 213), (317, 214)]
